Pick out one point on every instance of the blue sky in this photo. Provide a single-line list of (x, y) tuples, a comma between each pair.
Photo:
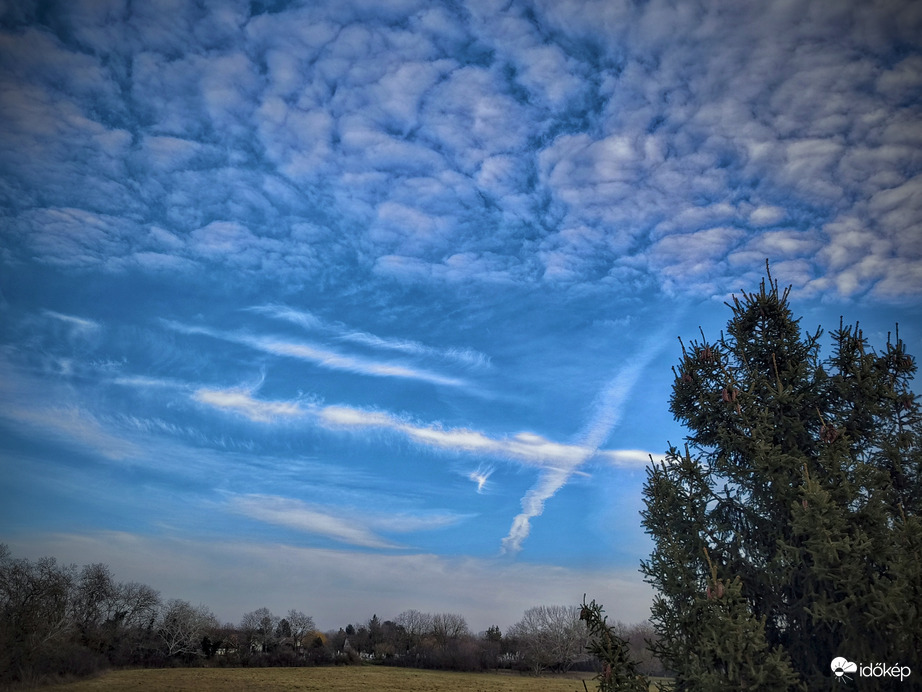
[(356, 307)]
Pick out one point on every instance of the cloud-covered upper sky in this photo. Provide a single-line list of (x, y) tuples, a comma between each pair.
[(376, 290)]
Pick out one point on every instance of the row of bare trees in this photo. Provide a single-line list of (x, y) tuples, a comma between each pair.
[(550, 637), (58, 619), (547, 638), (412, 638)]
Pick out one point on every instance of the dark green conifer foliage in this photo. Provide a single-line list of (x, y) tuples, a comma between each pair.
[(789, 530), (619, 671)]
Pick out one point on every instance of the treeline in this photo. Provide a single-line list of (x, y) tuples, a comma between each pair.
[(60, 621)]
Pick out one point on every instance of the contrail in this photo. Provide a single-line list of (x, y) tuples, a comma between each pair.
[(607, 410)]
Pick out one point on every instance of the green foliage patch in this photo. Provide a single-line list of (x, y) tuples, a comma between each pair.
[(788, 531)]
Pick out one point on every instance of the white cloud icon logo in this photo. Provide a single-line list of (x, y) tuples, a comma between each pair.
[(840, 666)]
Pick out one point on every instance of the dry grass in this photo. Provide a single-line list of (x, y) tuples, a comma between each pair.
[(324, 679)]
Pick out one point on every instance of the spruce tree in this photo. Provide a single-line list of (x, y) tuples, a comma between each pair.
[(789, 529), (619, 670)]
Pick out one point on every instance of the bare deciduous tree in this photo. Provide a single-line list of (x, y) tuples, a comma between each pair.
[(448, 626), (183, 625), (34, 611), (138, 604), (94, 597), (415, 626), (259, 627), (301, 626), (550, 637)]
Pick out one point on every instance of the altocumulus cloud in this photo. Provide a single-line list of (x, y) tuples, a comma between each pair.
[(529, 142)]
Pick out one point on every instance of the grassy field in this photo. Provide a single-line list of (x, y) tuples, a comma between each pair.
[(339, 679)]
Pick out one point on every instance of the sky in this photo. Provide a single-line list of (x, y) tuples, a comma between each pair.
[(361, 306)]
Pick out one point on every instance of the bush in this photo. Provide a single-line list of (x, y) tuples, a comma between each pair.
[(63, 662)]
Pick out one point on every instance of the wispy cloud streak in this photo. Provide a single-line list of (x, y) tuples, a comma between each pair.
[(295, 514), (525, 447), (72, 424), (481, 476), (465, 356), (322, 357), (345, 525), (528, 448), (79, 323), (242, 401), (557, 462)]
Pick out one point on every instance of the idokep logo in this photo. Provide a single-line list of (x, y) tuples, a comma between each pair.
[(842, 666)]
